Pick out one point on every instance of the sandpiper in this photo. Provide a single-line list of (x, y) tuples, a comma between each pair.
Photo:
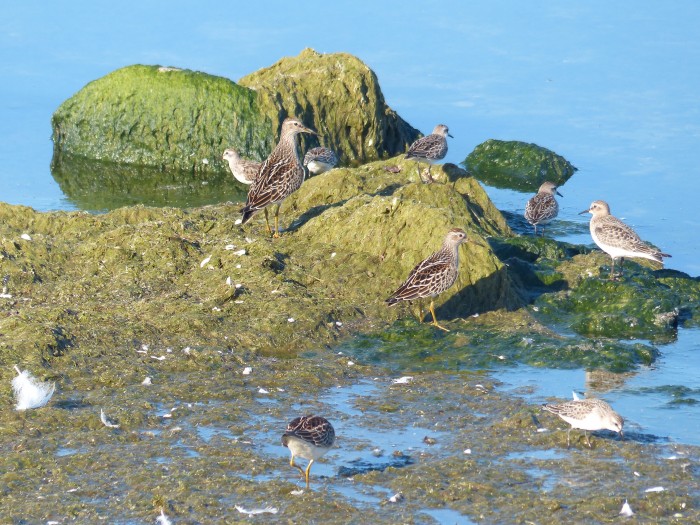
[(243, 170), (308, 437), (280, 175), (543, 207), (617, 239), (430, 148), (432, 276), (587, 414), (319, 160)]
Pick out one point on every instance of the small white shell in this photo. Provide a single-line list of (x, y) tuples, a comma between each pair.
[(205, 262)]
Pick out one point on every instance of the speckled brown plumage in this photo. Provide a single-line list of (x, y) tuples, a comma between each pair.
[(280, 175), (433, 275), (543, 207), (308, 437)]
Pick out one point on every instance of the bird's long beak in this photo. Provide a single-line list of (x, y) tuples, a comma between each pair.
[(582, 212), (450, 136), (308, 130), (562, 195)]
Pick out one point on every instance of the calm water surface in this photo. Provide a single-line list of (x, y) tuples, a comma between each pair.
[(613, 88)]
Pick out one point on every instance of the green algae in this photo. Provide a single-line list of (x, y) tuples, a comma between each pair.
[(101, 302), (517, 165), (166, 118), (102, 186), (340, 97)]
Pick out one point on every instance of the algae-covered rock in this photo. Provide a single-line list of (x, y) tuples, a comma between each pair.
[(641, 305), (194, 278), (175, 119), (162, 117), (517, 165), (379, 227), (340, 97)]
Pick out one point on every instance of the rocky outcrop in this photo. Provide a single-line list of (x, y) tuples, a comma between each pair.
[(340, 97), (517, 165), (167, 118), (173, 119)]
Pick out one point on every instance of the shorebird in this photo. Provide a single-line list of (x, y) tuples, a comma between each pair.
[(617, 239), (243, 170), (432, 276), (319, 160), (430, 148), (543, 207), (308, 437), (280, 175), (587, 414)]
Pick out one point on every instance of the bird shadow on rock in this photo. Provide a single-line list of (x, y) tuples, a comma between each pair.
[(493, 292)]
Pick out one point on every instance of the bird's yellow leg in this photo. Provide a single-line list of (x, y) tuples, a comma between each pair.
[(435, 323), (267, 222), (308, 469), (291, 463)]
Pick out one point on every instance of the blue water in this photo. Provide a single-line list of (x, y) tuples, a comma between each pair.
[(610, 86)]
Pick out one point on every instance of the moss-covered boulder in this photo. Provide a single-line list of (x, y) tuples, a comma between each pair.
[(517, 165), (173, 119), (194, 278), (162, 117), (340, 97)]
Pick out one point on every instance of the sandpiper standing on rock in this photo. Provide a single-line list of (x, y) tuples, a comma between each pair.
[(432, 276), (543, 207), (430, 148), (319, 160), (617, 239), (308, 437), (587, 414), (243, 170), (280, 175)]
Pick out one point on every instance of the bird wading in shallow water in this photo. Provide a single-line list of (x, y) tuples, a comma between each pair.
[(430, 149), (543, 207), (280, 175), (319, 160), (617, 239), (243, 170), (587, 414), (308, 437), (432, 276)]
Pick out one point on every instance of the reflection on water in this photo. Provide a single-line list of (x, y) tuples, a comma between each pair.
[(102, 186)]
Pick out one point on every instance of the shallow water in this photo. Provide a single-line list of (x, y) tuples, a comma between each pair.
[(608, 87)]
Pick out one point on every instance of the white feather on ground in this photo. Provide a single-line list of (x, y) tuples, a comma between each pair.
[(163, 519), (30, 392), (252, 512), (106, 421)]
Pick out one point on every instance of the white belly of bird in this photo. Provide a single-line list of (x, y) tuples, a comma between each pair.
[(305, 450), (592, 421), (316, 167)]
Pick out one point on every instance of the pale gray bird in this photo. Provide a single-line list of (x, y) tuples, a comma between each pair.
[(430, 149), (617, 239), (243, 170), (587, 414)]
